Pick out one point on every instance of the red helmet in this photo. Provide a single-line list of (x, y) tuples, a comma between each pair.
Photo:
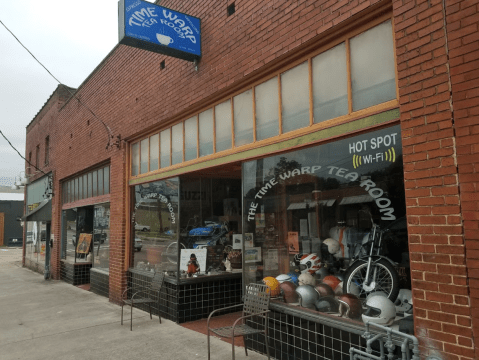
[(332, 281), (273, 285), (324, 290), (350, 306), (288, 290)]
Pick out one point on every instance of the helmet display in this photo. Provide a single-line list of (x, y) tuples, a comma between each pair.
[(294, 277), (283, 277), (306, 279), (288, 290), (310, 263), (324, 290), (353, 288), (327, 304), (350, 306), (307, 296), (333, 247), (380, 310), (339, 289), (380, 293), (273, 285), (332, 281), (404, 301)]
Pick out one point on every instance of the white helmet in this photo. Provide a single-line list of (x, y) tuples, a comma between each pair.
[(310, 263), (379, 310), (307, 296), (333, 247), (379, 293), (306, 279), (404, 301), (283, 277)]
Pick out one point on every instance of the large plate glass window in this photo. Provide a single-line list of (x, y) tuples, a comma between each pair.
[(101, 236), (299, 203), (155, 226)]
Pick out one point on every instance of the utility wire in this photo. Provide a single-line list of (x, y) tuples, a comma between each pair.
[(110, 133)]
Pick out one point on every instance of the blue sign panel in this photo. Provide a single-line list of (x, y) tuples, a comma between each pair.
[(151, 27)]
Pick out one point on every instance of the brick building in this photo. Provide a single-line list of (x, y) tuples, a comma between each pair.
[(277, 80)]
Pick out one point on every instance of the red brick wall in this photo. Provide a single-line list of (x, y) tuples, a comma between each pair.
[(436, 233), (463, 36)]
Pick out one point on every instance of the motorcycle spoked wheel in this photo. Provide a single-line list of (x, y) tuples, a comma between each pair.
[(171, 252), (385, 277)]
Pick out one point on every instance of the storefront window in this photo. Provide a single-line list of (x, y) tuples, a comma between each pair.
[(210, 219), (101, 236), (35, 242), (155, 221), (298, 204), (78, 235)]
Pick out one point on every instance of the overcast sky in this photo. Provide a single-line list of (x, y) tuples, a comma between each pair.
[(69, 37)]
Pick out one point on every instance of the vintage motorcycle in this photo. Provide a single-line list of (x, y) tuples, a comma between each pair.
[(362, 265)]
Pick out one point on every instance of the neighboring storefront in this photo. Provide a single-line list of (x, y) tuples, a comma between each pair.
[(37, 220), (85, 246)]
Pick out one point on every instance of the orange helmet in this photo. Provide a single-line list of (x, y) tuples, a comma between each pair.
[(273, 285), (332, 281)]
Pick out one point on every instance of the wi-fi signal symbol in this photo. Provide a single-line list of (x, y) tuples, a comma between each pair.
[(356, 161), (390, 155)]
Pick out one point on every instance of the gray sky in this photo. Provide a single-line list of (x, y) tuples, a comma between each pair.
[(70, 38)]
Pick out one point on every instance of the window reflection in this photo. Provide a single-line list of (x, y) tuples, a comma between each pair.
[(155, 222)]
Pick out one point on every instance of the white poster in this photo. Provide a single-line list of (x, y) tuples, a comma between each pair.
[(238, 241)]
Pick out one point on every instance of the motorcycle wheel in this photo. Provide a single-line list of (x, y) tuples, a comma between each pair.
[(386, 279), (171, 252)]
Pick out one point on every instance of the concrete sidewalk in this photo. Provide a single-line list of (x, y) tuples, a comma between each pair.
[(42, 319)]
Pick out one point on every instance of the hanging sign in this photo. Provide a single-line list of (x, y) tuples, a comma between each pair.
[(155, 28)]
